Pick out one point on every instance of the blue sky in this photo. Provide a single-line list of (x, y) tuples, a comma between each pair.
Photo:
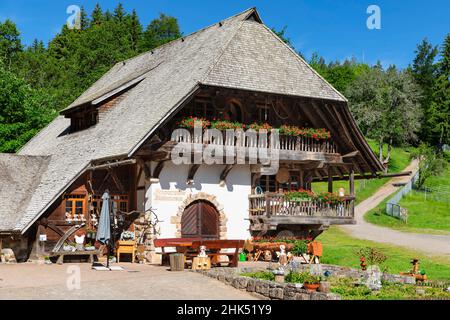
[(334, 29)]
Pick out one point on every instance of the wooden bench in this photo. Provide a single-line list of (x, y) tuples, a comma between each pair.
[(92, 255), (214, 247)]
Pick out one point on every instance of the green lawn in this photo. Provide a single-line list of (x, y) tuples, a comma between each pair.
[(427, 213), (340, 248), (400, 159)]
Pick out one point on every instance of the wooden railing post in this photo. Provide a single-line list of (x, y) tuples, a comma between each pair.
[(268, 213), (352, 182), (330, 180)]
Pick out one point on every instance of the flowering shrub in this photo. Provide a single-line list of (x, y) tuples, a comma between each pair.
[(299, 194), (317, 134), (260, 126), (225, 125), (330, 198), (190, 122)]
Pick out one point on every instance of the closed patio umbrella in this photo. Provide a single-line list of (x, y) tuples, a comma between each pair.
[(104, 224)]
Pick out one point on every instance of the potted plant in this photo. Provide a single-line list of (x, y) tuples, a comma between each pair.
[(311, 282)]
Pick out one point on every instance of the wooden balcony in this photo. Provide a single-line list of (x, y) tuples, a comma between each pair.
[(289, 148), (272, 209)]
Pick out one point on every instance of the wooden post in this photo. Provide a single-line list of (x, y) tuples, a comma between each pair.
[(352, 182), (267, 205), (330, 180)]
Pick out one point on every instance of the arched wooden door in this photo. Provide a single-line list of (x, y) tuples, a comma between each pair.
[(200, 219)]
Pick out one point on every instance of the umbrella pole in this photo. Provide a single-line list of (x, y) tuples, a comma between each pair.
[(107, 258)]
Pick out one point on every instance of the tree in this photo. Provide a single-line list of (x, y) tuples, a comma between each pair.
[(431, 163), (23, 113), (97, 15), (10, 44), (282, 35), (160, 31), (119, 12), (386, 106), (424, 72), (438, 120), (135, 28)]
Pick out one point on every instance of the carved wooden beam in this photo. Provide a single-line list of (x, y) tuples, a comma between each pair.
[(192, 172), (225, 172), (158, 169), (144, 167), (351, 154)]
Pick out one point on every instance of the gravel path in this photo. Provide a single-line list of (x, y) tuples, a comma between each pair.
[(427, 243), (41, 282)]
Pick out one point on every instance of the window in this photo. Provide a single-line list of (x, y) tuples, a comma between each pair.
[(75, 207), (118, 202), (81, 121), (270, 184)]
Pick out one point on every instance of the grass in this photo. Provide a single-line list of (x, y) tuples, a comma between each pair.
[(349, 290), (356, 289), (400, 159), (340, 248), (425, 215)]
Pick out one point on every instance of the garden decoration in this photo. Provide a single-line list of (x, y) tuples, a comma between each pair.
[(373, 281), (202, 253), (363, 263), (419, 275)]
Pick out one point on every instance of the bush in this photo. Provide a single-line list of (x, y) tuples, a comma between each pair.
[(300, 247), (302, 277)]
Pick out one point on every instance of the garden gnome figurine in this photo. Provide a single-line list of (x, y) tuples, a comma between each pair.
[(282, 256)]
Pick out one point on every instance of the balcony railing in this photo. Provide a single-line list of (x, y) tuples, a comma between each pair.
[(276, 205), (286, 143)]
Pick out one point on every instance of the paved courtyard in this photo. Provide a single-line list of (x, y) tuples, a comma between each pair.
[(137, 281)]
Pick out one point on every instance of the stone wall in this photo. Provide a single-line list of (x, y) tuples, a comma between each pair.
[(269, 289), (348, 272)]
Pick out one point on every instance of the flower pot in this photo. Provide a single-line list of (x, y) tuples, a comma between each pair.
[(311, 286)]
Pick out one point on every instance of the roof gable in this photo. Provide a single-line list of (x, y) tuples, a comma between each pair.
[(256, 59)]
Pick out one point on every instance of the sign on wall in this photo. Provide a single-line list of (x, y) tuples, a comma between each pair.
[(169, 195)]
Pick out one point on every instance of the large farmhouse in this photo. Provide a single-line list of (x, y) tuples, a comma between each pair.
[(118, 136)]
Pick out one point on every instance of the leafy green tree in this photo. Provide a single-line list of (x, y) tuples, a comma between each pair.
[(10, 44), (386, 106), (431, 163), (24, 111), (160, 31)]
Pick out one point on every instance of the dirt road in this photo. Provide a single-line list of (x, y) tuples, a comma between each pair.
[(427, 243)]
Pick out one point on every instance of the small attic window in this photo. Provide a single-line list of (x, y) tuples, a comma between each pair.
[(83, 120)]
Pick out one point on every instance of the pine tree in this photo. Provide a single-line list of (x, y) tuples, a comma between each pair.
[(424, 72), (97, 15), (119, 12), (439, 112), (135, 31)]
